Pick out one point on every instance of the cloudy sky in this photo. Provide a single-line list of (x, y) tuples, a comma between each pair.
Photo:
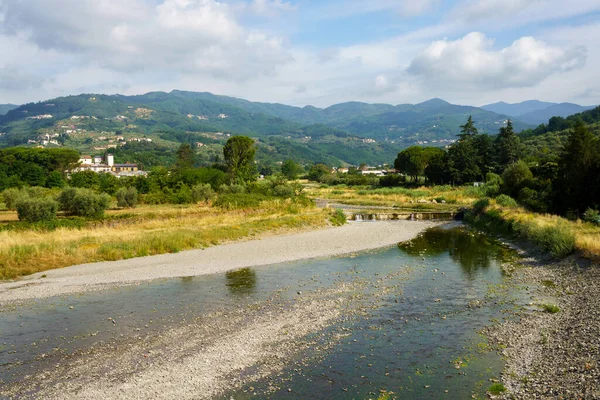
[(300, 52)]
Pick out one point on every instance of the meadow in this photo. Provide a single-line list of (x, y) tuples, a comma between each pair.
[(144, 231)]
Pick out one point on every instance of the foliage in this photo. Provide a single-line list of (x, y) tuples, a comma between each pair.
[(550, 308), (12, 197), (496, 389), (202, 192), (185, 157), (508, 146), (127, 197), (290, 169), (414, 160), (83, 202), (232, 201), (592, 215), (85, 179), (239, 154), (506, 201), (514, 175), (317, 171), (338, 218), (21, 166), (36, 209)]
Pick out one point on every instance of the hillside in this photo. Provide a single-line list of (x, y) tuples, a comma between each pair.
[(346, 133), (4, 108), (536, 112), (557, 110)]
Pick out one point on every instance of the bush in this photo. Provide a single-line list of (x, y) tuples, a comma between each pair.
[(558, 240), (36, 209), (127, 197), (550, 308), (496, 389), (232, 189), (591, 215), (506, 201), (493, 179), (481, 205), (531, 200), (202, 192), (83, 202), (12, 197), (514, 175), (183, 195), (337, 218)]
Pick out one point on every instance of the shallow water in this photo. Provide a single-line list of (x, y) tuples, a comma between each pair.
[(420, 307)]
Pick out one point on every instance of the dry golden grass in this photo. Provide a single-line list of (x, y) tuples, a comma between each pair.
[(587, 235), (148, 230), (400, 197)]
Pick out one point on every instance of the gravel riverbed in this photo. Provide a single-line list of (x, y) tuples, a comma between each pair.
[(554, 355), (352, 237)]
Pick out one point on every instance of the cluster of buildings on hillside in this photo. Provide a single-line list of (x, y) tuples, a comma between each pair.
[(98, 164)]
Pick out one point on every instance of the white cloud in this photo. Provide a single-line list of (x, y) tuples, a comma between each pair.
[(471, 63), (182, 36)]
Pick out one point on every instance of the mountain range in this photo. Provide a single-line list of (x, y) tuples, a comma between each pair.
[(536, 112), (346, 133), (4, 108)]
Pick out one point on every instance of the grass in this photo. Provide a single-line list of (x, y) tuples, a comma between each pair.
[(553, 234), (550, 308), (496, 389), (337, 218), (401, 197), (147, 230)]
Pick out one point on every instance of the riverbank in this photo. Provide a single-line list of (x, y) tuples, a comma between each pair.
[(330, 242), (550, 353)]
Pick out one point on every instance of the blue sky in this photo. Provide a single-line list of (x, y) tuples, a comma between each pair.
[(304, 51)]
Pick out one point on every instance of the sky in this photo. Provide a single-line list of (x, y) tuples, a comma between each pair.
[(301, 52)]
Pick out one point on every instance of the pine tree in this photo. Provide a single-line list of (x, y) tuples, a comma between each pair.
[(508, 147)]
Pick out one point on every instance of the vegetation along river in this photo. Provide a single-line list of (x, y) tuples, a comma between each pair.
[(403, 320)]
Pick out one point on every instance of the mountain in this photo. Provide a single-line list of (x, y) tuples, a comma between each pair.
[(516, 109), (557, 110), (536, 112), (351, 132), (4, 108)]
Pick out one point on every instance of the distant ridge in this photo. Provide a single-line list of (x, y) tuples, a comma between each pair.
[(536, 112), (4, 108)]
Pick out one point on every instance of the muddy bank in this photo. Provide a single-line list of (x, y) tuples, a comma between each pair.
[(554, 355), (352, 237)]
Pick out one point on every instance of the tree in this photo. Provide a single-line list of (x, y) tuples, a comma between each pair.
[(317, 172), (436, 171), (185, 157), (412, 162), (508, 146), (239, 154), (463, 165), (514, 175), (468, 129), (575, 189), (290, 169)]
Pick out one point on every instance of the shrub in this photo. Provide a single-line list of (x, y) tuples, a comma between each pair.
[(591, 215), (493, 179), (492, 190), (127, 197), (558, 240), (496, 389), (12, 196), (285, 191), (83, 202), (337, 218), (36, 209), (183, 195), (481, 205), (202, 192), (550, 308), (506, 201), (232, 189), (514, 175)]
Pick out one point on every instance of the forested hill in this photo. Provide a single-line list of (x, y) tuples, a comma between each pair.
[(204, 112), (536, 112), (4, 108)]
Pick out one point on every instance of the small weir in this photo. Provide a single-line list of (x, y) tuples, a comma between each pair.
[(412, 216)]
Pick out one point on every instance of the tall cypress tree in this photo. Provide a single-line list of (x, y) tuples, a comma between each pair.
[(578, 169), (508, 147)]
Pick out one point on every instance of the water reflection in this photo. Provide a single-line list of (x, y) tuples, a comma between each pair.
[(473, 251), (241, 281)]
